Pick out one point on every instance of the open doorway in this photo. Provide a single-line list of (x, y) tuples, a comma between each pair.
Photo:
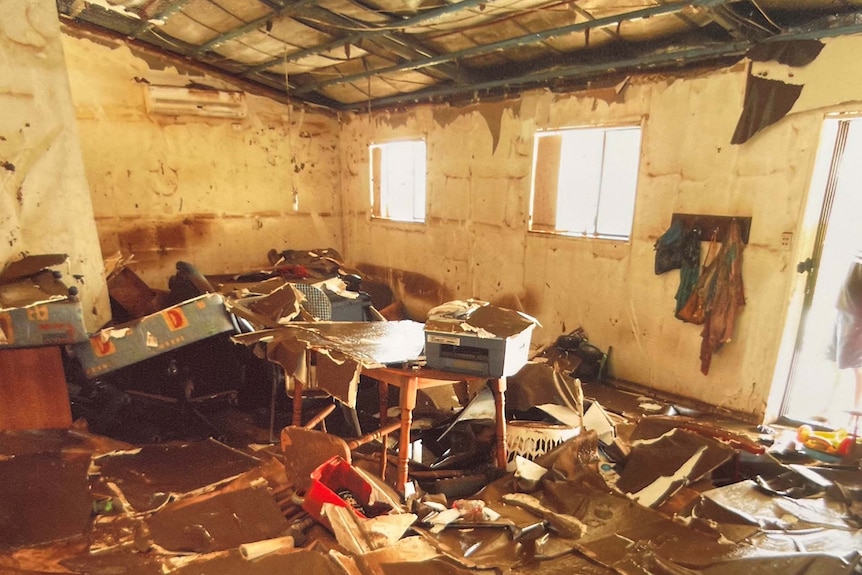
[(817, 391)]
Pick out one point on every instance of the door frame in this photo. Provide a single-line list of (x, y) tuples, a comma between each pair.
[(810, 232)]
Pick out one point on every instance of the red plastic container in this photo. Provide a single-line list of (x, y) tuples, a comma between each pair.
[(328, 480)]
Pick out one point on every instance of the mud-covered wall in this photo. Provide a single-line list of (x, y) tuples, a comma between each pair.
[(217, 192), (475, 241), (44, 197)]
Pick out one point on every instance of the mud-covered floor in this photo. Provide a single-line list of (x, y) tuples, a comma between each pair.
[(676, 492)]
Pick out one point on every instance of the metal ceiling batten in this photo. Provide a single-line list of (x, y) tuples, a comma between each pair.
[(735, 49), (396, 43), (287, 10), (164, 13), (515, 42), (570, 72), (716, 30), (371, 32)]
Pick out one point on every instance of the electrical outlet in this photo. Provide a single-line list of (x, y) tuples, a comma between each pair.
[(786, 241)]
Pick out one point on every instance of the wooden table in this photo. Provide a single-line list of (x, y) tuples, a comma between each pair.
[(410, 381), (373, 345)]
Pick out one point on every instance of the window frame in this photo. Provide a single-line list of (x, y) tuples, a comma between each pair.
[(544, 228), (375, 185)]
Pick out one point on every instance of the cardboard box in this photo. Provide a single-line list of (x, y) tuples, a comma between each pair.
[(52, 322), (478, 339), (171, 328), (36, 309)]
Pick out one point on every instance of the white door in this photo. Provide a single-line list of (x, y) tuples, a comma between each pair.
[(817, 391)]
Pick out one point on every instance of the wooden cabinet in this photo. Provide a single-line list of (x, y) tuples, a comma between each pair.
[(33, 392)]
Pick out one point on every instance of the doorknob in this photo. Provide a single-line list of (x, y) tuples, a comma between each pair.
[(805, 266)]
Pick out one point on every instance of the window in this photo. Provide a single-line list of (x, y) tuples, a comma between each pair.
[(584, 181), (398, 181)]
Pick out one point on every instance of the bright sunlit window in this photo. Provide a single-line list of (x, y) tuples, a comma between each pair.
[(398, 180), (584, 181)]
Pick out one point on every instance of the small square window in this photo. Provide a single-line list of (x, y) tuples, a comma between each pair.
[(584, 181), (398, 181)]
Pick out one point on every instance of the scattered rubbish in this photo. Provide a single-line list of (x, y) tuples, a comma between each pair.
[(565, 525), (574, 354), (527, 474), (610, 482), (837, 442), (217, 521), (658, 468), (305, 449), (257, 549), (338, 482)]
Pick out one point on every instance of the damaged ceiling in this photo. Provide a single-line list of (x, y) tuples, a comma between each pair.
[(369, 54)]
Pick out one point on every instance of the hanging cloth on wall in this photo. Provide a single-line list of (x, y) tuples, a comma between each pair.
[(668, 249), (693, 309), (724, 299), (690, 270)]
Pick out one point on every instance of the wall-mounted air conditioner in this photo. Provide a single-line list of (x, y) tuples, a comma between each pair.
[(178, 100)]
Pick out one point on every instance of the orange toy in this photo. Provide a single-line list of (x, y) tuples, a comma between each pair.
[(836, 442)]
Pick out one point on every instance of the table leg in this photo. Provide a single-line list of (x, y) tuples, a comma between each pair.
[(297, 402), (499, 389), (383, 398), (407, 403)]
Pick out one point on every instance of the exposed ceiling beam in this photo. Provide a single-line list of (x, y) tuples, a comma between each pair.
[(739, 28), (568, 73), (401, 45), (286, 10), (612, 33), (514, 42), (163, 14), (270, 89), (370, 33), (660, 60)]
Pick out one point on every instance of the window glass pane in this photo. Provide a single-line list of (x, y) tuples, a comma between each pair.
[(585, 181), (398, 180), (619, 182), (580, 178), (419, 178)]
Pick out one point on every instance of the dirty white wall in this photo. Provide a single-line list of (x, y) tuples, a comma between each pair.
[(219, 193), (475, 243), (44, 197)]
